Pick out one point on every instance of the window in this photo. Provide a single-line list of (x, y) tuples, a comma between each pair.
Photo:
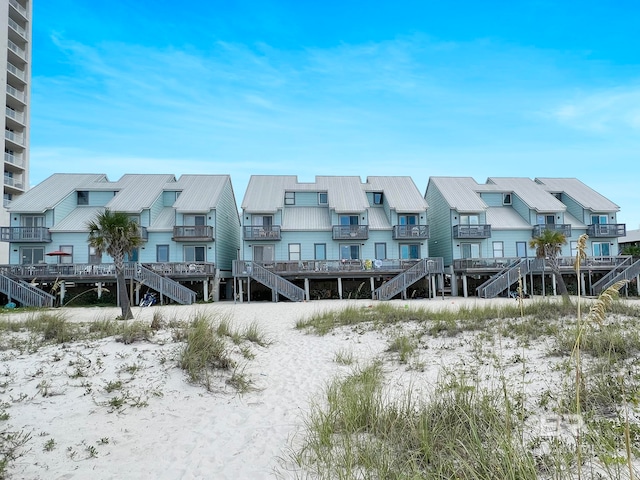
[(546, 219), (294, 251), (66, 258), (470, 250), (31, 255), (83, 197), (521, 249), (506, 199), (408, 219), (574, 248), (381, 251), (289, 198), (469, 219), (320, 251), (32, 221), (323, 198), (194, 253), (377, 198), (599, 219), (601, 249), (349, 219), (498, 249), (94, 258), (349, 252), (133, 257), (193, 220), (409, 251), (162, 253), (263, 253), (262, 220)]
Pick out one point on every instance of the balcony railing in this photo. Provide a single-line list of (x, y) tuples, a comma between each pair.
[(16, 138), (14, 159), (186, 233), (14, 92), (607, 230), (25, 234), (16, 71), (563, 228), (18, 7), (15, 182), (262, 232), (407, 232), (16, 49), (17, 116), (20, 30), (350, 232), (471, 231)]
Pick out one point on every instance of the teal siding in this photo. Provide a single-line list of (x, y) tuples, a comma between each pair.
[(100, 199), (439, 219), (492, 199), (227, 229), (306, 199), (64, 208)]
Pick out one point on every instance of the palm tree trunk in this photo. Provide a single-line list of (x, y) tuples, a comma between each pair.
[(123, 295)]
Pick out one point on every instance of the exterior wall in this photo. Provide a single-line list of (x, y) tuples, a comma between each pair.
[(64, 208), (439, 219), (227, 230), (99, 199)]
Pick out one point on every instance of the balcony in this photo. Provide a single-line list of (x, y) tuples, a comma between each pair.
[(19, 51), (262, 232), (408, 232), (472, 231), (17, 28), (144, 234), (193, 233), (14, 114), (25, 234), (563, 228), (350, 232), (16, 138), (18, 7), (14, 159), (15, 182), (607, 230), (14, 92)]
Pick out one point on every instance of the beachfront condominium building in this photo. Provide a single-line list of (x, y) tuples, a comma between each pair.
[(15, 73)]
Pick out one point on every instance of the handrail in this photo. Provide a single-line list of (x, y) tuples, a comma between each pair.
[(626, 270), (163, 285), (397, 284), (24, 293), (501, 281), (277, 283)]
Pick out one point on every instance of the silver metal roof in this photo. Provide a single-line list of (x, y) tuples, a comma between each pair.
[(460, 193), (306, 218), (401, 193), (265, 193), (581, 193), (164, 221), (51, 191), (506, 218), (77, 220), (530, 192), (631, 237), (200, 193), (137, 192), (378, 219)]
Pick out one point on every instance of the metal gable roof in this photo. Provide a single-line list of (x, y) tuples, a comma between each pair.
[(378, 219), (345, 194), (306, 218), (265, 193), (460, 193), (77, 220), (164, 221), (506, 218), (200, 193), (531, 193), (581, 193), (401, 193), (137, 192), (51, 191)]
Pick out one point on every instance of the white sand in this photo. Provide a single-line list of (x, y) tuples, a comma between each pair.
[(171, 429)]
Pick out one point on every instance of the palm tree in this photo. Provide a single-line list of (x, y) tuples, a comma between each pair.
[(548, 246), (117, 235)]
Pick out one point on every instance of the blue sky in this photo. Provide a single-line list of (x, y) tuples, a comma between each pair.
[(420, 88)]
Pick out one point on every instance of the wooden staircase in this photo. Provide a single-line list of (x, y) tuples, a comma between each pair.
[(404, 280), (24, 293), (163, 285), (503, 280), (278, 284), (626, 270)]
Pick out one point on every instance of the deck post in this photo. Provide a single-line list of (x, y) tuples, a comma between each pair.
[(464, 286), (340, 288), (205, 289), (62, 292), (372, 284), (306, 289)]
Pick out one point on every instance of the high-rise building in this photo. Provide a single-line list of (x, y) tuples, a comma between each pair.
[(15, 73)]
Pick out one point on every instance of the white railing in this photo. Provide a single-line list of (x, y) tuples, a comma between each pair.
[(13, 24), (16, 49), (16, 93), (18, 7), (17, 116), (14, 159), (16, 71), (14, 137), (13, 181)]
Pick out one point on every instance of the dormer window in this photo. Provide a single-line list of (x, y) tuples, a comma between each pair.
[(323, 198), (289, 198), (83, 197), (377, 198), (506, 199)]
